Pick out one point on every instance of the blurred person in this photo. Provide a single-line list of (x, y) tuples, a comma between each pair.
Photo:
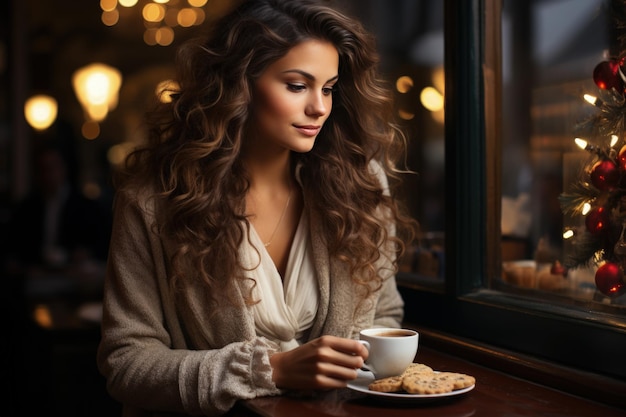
[(256, 234)]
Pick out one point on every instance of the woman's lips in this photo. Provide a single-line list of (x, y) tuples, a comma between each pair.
[(308, 130)]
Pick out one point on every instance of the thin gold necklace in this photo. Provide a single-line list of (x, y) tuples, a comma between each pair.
[(282, 215)]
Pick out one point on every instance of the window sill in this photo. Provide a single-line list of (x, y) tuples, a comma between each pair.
[(572, 381)]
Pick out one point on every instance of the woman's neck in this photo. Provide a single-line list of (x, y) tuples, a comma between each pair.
[(269, 172)]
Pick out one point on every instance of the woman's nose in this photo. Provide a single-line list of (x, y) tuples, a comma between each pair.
[(318, 105)]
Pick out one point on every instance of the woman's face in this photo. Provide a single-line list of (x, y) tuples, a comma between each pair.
[(293, 98)]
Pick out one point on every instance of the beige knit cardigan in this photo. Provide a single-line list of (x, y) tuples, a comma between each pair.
[(165, 357)]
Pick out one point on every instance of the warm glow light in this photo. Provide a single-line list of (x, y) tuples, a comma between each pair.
[(108, 5), (159, 16), (164, 36), (153, 12), (97, 86), (568, 234), (149, 36), (42, 316), (404, 84), (590, 99), (40, 111), (431, 99), (186, 17), (582, 144), (586, 208), (110, 18), (614, 140), (200, 16)]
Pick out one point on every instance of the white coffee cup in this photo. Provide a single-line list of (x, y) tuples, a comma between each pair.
[(391, 350)]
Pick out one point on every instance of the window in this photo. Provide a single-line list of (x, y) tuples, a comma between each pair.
[(507, 128), (548, 67)]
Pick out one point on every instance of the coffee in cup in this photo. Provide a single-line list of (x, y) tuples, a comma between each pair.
[(391, 350)]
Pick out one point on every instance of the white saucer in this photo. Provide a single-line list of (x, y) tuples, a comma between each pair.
[(364, 378)]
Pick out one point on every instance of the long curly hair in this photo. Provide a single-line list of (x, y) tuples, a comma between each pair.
[(192, 157)]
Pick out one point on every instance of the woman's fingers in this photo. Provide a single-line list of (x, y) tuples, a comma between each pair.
[(326, 362)]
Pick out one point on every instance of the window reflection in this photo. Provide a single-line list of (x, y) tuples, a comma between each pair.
[(550, 50)]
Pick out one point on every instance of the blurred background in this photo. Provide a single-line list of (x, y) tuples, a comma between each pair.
[(76, 78)]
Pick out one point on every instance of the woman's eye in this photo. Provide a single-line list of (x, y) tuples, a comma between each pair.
[(328, 90), (295, 87)]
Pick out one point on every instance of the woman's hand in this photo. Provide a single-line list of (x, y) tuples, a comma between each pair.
[(324, 363)]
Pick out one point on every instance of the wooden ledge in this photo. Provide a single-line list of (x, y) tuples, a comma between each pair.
[(584, 384)]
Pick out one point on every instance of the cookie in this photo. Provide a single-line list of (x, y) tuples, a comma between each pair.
[(389, 384), (426, 384), (418, 368), (459, 380)]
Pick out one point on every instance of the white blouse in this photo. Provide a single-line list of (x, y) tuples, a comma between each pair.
[(287, 306)]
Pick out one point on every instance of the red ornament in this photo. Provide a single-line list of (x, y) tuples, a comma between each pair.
[(610, 280), (606, 76), (597, 220), (605, 175)]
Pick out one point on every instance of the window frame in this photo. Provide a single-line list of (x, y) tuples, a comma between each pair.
[(465, 309)]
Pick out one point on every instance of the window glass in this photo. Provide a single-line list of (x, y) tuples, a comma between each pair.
[(410, 36), (555, 53)]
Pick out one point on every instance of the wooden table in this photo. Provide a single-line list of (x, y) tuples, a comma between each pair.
[(495, 394)]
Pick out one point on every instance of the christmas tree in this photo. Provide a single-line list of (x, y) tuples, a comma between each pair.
[(600, 193)]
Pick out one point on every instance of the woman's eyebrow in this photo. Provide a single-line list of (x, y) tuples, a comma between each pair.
[(309, 76)]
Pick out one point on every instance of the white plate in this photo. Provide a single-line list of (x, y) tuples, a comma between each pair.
[(364, 378)]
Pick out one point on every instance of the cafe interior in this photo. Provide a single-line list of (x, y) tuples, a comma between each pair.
[(514, 113)]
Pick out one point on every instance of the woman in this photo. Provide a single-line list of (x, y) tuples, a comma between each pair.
[(255, 234)]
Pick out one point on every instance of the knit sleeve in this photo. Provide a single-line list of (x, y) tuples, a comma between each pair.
[(212, 381), (144, 368)]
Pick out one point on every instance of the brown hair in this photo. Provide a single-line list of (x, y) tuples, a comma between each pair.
[(192, 154)]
